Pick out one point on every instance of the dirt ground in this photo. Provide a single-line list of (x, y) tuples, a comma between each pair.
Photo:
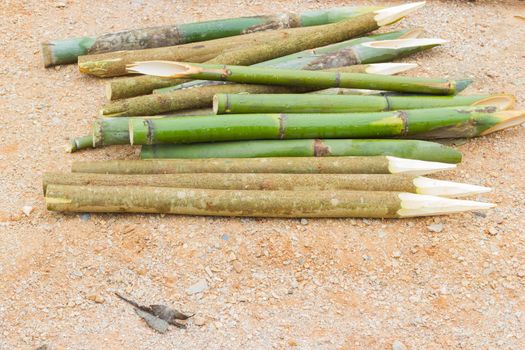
[(323, 284)]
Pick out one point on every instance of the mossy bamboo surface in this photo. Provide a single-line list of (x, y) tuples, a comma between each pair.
[(410, 149), (295, 182), (283, 165), (434, 123), (135, 199), (292, 77), (143, 85), (198, 97), (297, 103), (67, 51), (242, 50)]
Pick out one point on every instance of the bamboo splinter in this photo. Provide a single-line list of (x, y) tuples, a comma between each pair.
[(290, 204)]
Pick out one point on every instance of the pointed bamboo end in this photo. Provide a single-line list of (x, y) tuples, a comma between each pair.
[(393, 14), (413, 33), (47, 54), (109, 92), (389, 68), (507, 119), (396, 44), (163, 69), (462, 84), (424, 205), (416, 167), (502, 102), (441, 188)]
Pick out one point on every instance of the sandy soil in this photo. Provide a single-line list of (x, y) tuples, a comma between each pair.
[(324, 284)]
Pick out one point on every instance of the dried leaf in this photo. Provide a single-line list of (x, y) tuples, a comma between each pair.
[(154, 322)]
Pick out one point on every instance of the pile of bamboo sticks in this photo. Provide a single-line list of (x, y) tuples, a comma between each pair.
[(293, 85)]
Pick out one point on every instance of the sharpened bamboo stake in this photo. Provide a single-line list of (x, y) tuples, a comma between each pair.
[(434, 123), (284, 165), (249, 48), (307, 103), (291, 77), (411, 149), (67, 51), (272, 182), (140, 199)]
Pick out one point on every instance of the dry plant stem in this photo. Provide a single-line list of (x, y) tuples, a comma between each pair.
[(137, 199), (283, 165), (199, 97), (411, 149)]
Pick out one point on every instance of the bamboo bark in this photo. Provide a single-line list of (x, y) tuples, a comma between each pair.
[(244, 49), (200, 97), (410, 149), (67, 51), (296, 103), (435, 123), (292, 77), (143, 85), (223, 202), (268, 182)]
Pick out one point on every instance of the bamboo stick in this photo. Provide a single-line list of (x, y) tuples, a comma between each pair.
[(307, 103), (202, 96), (142, 85), (411, 149), (249, 48), (434, 123), (67, 51), (135, 199), (292, 77), (284, 165), (272, 182)]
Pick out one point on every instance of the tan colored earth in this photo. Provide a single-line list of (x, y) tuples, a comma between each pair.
[(316, 284)]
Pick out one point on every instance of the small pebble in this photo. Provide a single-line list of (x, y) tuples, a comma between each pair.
[(397, 345), (304, 222), (85, 216), (493, 231), (199, 321), (396, 254), (521, 273), (237, 266), (435, 228), (96, 298), (198, 287), (225, 237), (27, 209)]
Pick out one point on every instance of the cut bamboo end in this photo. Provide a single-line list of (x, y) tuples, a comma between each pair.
[(47, 54), (163, 69), (131, 131), (393, 14), (404, 43), (502, 101), (415, 167), (462, 84), (424, 205), (109, 92), (433, 187), (508, 119), (389, 68), (413, 33)]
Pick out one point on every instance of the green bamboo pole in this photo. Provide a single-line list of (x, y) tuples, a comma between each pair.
[(202, 96), (272, 182), (283, 165), (292, 77), (434, 123), (135, 199), (249, 48), (307, 103), (67, 51), (143, 85), (411, 149)]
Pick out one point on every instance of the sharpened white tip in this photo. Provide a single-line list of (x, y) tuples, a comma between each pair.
[(415, 167), (404, 43), (423, 205), (158, 68), (393, 14), (389, 68), (433, 187)]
